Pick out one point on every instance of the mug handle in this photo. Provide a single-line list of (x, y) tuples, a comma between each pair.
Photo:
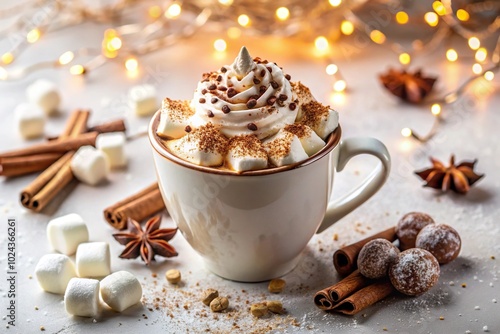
[(349, 148)]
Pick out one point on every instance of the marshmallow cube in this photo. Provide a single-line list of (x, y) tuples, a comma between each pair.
[(121, 290), (284, 148), (54, 271), (89, 165), (66, 233), (246, 153), (82, 297), (93, 259), (45, 94), (112, 145), (30, 120), (175, 116), (310, 141), (142, 99)]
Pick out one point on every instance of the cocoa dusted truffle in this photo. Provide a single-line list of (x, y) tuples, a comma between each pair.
[(415, 271), (442, 241), (376, 257), (409, 226)]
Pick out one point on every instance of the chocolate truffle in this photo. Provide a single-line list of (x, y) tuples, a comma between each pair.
[(376, 257), (409, 226), (414, 272), (442, 241)]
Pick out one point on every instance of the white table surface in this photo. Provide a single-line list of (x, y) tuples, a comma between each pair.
[(471, 131)]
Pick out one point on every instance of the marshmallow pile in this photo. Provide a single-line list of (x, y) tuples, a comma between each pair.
[(43, 100), (246, 116), (57, 273)]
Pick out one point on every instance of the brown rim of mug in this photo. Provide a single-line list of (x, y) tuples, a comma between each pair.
[(159, 146)]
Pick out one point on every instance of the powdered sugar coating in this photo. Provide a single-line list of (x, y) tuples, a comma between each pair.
[(442, 241), (414, 272), (409, 226), (376, 257)]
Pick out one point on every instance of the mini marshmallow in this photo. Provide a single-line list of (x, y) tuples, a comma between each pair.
[(112, 145), (204, 146), (174, 118), (82, 297), (45, 94), (320, 118), (66, 233), (284, 148), (54, 271), (142, 99), (310, 141), (121, 290), (30, 120), (89, 165), (93, 259), (246, 153)]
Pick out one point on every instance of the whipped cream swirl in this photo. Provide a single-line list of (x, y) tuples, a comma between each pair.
[(248, 97)]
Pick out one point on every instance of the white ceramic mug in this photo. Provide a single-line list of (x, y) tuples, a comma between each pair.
[(253, 226)]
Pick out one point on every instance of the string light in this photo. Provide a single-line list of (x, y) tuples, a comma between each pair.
[(346, 27), (439, 8), (451, 55), (431, 18), (7, 58), (402, 17), (243, 20), (377, 36), (404, 58), (474, 43), (33, 36), (339, 85), (406, 132), (220, 45), (131, 64), (335, 3), (282, 13), (489, 75), (477, 68), (481, 54), (226, 2), (321, 43), (436, 109), (463, 15), (77, 70), (332, 69), (66, 58), (173, 11), (154, 11)]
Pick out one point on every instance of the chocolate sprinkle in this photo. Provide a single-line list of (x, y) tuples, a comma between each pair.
[(187, 129), (292, 106), (222, 88), (225, 109), (270, 69), (262, 89), (223, 69), (256, 81), (288, 77), (214, 100), (202, 100), (263, 73), (271, 100), (219, 78), (231, 92), (274, 84), (204, 91), (283, 97), (251, 103), (212, 87), (210, 113), (252, 126)]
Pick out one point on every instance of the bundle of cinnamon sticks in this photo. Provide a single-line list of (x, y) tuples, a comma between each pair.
[(355, 292), (54, 158)]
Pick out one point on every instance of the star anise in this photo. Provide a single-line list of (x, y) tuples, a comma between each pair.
[(148, 242), (410, 87), (458, 178)]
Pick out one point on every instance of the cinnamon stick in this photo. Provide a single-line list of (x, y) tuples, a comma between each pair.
[(139, 206), (55, 146), (15, 166), (113, 126), (328, 298), (80, 125), (70, 124), (345, 259), (364, 297)]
